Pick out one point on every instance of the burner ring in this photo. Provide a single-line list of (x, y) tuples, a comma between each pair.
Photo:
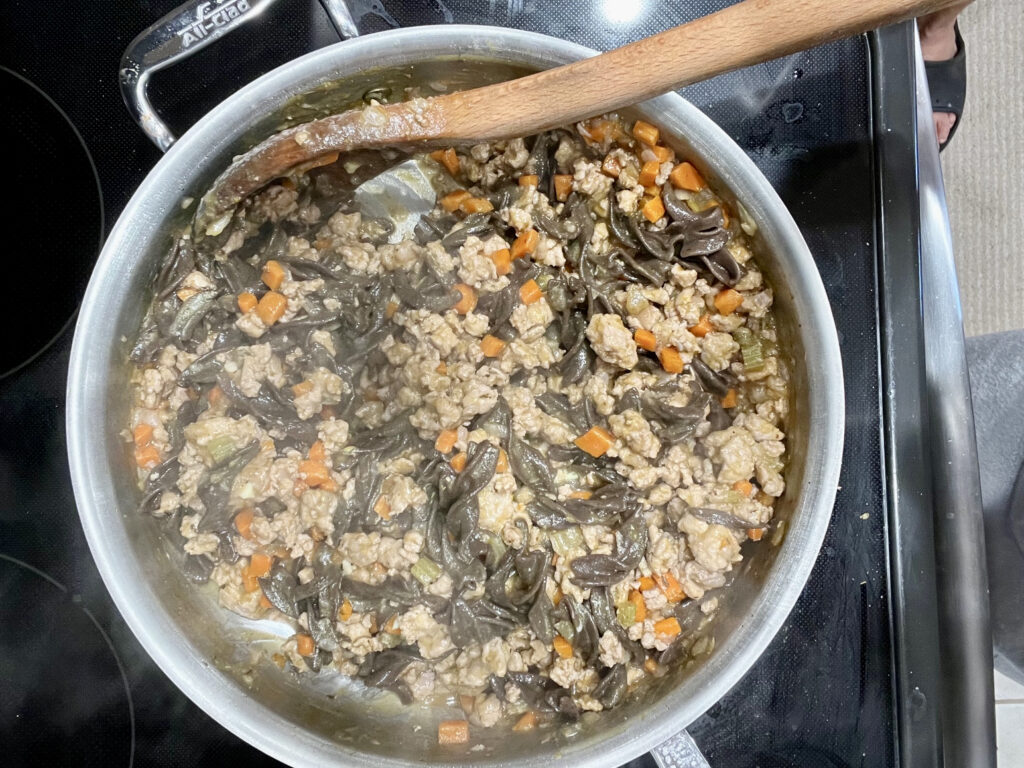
[(55, 192), (65, 691)]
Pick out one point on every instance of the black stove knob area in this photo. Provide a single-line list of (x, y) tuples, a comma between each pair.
[(64, 699), (52, 218)]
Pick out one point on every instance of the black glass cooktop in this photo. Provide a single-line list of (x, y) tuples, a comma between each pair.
[(75, 686)]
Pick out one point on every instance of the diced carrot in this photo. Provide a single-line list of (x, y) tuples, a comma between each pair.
[(446, 440), (273, 275), (247, 302), (476, 205), (530, 292), (662, 153), (529, 180), (382, 507), (671, 587), (502, 461), (562, 647), (646, 582), (702, 328), (525, 244), (526, 723), (652, 191), (447, 158), (563, 186), (391, 309), (645, 340), (502, 261), (243, 522), (648, 173), (302, 388), (147, 456), (259, 565), (743, 486), (685, 176), (250, 583), (389, 626), (491, 345), (467, 303), (317, 451), (442, 368), (271, 307), (458, 461), (654, 209), (728, 300), (646, 133), (453, 732), (595, 441), (345, 612), (671, 360), (611, 166), (304, 645), (639, 605), (314, 473), (755, 534), (725, 215), (215, 395), (453, 200), (264, 603), (595, 130), (729, 401), (142, 435), (580, 495), (667, 627), (557, 597)]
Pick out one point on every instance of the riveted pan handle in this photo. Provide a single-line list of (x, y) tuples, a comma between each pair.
[(189, 28), (680, 751)]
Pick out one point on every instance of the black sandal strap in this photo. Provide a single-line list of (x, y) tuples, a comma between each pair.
[(947, 80)]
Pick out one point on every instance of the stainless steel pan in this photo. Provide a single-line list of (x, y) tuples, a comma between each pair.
[(205, 650)]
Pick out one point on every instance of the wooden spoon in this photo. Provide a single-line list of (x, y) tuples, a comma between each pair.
[(740, 35)]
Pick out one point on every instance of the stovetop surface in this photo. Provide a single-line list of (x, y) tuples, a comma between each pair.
[(77, 687)]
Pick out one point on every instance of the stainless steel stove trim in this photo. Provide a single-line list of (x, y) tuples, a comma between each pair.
[(965, 636)]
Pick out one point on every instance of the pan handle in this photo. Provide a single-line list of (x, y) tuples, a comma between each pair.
[(679, 751), (189, 28)]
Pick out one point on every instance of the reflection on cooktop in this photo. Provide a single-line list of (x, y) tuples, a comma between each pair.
[(65, 698), (53, 204)]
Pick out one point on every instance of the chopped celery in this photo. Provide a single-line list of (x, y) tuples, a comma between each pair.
[(221, 449), (567, 543), (497, 547), (566, 629), (626, 614), (750, 348), (426, 571)]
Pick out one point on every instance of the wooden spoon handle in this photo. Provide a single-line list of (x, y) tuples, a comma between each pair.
[(737, 36), (742, 34)]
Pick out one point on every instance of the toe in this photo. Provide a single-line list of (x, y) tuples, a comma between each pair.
[(943, 125)]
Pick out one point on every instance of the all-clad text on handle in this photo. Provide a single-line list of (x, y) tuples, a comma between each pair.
[(188, 28)]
